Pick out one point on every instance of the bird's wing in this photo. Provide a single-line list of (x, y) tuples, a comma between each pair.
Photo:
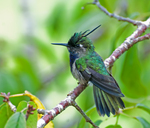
[(104, 82)]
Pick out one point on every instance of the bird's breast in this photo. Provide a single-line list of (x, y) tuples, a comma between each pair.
[(76, 73)]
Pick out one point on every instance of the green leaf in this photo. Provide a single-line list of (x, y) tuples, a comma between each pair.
[(98, 122), (144, 107), (90, 110), (131, 64), (22, 105), (5, 113), (114, 126), (32, 119), (144, 123), (17, 120), (83, 122)]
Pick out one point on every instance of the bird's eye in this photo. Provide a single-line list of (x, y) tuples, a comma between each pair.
[(81, 46)]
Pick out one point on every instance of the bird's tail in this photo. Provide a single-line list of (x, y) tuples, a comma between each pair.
[(106, 103)]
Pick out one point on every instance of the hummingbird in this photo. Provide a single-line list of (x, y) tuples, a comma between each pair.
[(88, 68)]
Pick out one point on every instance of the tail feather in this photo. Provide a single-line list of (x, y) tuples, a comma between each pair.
[(98, 102), (112, 110), (106, 103), (113, 102), (119, 102)]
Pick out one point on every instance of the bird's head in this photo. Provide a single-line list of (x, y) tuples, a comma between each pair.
[(79, 43)]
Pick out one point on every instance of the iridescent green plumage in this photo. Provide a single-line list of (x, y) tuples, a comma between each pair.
[(92, 60)]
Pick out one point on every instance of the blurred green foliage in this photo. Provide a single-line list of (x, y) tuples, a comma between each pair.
[(28, 61), (18, 119)]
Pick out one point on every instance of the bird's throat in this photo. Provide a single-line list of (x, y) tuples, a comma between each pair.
[(73, 57)]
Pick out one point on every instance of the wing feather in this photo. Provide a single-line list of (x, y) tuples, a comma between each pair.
[(103, 82)]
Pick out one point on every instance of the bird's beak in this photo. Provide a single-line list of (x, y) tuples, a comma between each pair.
[(63, 44)]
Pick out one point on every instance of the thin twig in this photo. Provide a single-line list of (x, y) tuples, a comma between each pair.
[(6, 99), (120, 18), (141, 38), (83, 114)]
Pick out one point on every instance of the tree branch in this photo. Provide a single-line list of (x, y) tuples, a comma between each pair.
[(128, 43), (68, 101)]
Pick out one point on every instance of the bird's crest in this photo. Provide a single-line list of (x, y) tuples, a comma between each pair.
[(78, 36)]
